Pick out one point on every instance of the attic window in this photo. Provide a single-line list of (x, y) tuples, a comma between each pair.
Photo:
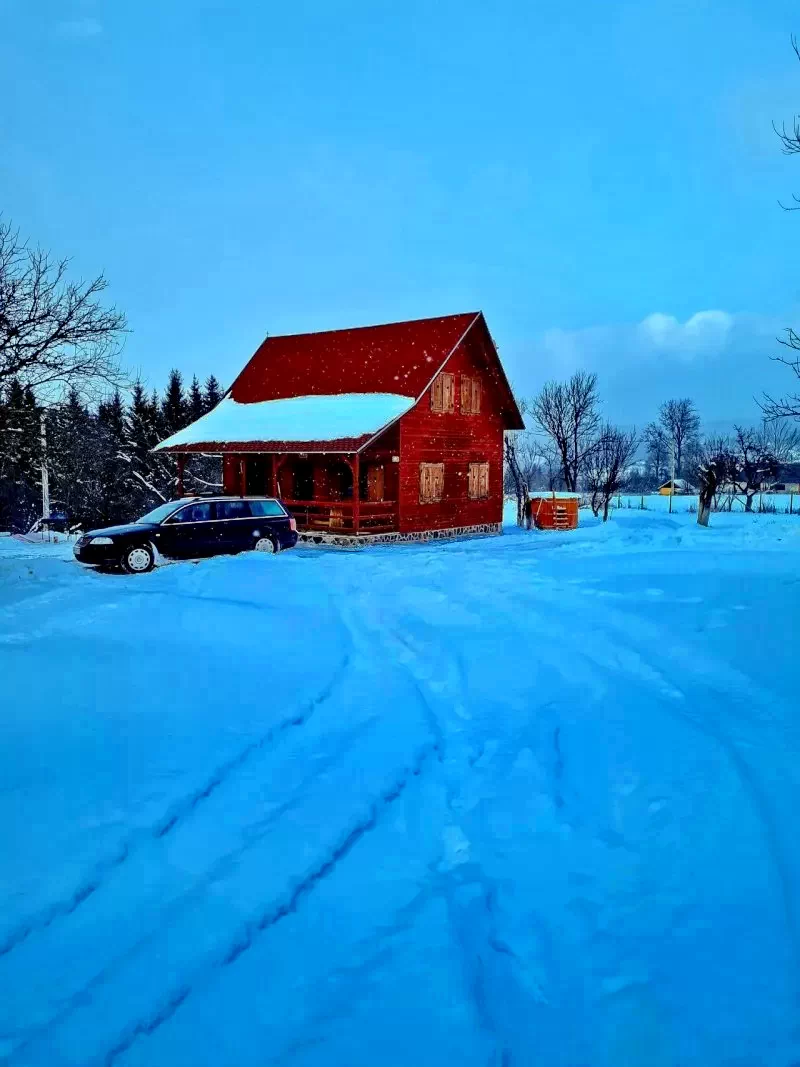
[(443, 393), (470, 395)]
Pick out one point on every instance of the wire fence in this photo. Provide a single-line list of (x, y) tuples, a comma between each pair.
[(763, 503)]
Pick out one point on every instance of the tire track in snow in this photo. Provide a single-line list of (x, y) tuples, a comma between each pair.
[(184, 900), (486, 984), (748, 777), (273, 913), (628, 657), (164, 825)]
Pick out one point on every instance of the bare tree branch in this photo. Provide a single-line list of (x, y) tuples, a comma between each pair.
[(566, 413), (54, 332), (606, 467)]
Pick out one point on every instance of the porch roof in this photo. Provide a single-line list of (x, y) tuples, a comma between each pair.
[(341, 423)]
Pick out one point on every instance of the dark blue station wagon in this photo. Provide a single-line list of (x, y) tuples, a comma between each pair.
[(185, 529)]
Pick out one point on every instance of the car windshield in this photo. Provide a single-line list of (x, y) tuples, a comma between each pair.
[(160, 513)]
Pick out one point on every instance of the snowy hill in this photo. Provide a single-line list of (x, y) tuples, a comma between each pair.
[(509, 801)]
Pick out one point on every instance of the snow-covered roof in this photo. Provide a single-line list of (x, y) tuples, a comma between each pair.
[(346, 416)]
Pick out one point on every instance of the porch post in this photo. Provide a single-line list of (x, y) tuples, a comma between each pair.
[(273, 475), (181, 468), (356, 490), (242, 476)]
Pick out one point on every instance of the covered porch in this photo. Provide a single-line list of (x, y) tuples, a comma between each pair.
[(343, 493)]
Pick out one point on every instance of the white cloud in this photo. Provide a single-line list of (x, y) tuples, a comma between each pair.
[(719, 358), (704, 333), (80, 28)]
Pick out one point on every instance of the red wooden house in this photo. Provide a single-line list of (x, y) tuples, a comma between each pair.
[(388, 432)]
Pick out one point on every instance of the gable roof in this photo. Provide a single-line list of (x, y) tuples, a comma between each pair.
[(394, 364), (399, 357)]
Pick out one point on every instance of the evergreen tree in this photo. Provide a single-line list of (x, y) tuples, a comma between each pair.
[(197, 406), (114, 491), (146, 482), (174, 408), (20, 458), (213, 393), (75, 459)]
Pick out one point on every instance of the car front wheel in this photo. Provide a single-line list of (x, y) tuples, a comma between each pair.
[(265, 544), (138, 559)]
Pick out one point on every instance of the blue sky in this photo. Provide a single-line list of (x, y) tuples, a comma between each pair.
[(600, 179)]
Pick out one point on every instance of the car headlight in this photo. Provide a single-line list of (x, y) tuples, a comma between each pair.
[(101, 541)]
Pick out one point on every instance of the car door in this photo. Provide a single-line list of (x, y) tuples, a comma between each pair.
[(234, 525), (189, 532), (272, 521)]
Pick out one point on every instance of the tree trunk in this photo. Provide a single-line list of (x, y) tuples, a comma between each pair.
[(606, 502), (748, 501), (703, 512)]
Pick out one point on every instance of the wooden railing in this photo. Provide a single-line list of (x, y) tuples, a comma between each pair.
[(336, 516)]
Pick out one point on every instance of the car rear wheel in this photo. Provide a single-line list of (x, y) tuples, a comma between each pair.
[(265, 544), (138, 559)]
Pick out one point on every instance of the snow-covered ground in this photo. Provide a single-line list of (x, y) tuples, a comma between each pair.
[(514, 801)]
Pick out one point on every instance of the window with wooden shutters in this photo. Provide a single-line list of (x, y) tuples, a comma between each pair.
[(478, 481), (470, 395), (443, 393), (431, 482)]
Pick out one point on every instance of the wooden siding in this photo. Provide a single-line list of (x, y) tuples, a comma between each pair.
[(456, 439)]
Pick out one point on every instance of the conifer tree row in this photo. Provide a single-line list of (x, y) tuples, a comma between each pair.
[(99, 459)]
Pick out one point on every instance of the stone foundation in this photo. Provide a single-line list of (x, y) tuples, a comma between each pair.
[(453, 533)]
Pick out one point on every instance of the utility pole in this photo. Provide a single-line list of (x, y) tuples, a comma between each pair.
[(671, 473), (45, 476)]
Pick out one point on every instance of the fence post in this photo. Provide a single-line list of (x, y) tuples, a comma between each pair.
[(641, 504), (791, 503)]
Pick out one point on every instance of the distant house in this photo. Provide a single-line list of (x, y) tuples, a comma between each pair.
[(676, 487), (380, 432), (788, 480)]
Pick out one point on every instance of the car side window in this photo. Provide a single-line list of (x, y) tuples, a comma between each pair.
[(193, 513), (233, 509), (266, 509)]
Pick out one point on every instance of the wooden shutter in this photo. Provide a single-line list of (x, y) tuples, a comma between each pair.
[(483, 487), (443, 393), (424, 483), (438, 478), (437, 394), (431, 482), (466, 395), (448, 393), (475, 405), (478, 481)]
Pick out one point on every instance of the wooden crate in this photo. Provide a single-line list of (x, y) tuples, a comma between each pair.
[(554, 513)]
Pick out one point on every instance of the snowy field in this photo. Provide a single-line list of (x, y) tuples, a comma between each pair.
[(515, 801)]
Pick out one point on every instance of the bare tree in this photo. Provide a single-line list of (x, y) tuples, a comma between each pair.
[(787, 406), (606, 467), (517, 476), (717, 467), (566, 412), (782, 439), (53, 332), (680, 424), (657, 446), (755, 463)]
